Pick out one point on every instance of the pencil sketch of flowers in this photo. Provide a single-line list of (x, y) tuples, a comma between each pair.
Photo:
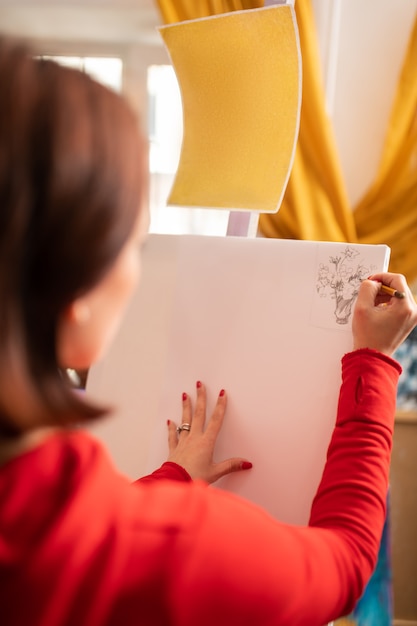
[(340, 280)]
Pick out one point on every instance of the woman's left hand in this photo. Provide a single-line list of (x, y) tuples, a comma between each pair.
[(193, 449)]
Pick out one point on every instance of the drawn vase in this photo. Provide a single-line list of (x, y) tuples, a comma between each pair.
[(343, 309)]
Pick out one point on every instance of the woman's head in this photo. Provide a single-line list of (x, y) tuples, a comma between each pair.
[(72, 188)]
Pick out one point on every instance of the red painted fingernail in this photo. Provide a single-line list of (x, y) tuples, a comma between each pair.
[(198, 384), (168, 422), (184, 396), (222, 392), (246, 465)]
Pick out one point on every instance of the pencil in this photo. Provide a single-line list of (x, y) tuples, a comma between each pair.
[(392, 292)]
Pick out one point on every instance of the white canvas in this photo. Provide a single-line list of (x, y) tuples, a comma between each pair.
[(269, 321)]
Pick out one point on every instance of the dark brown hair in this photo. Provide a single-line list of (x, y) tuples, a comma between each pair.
[(71, 182)]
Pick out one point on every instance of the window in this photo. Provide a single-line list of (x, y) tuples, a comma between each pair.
[(106, 70)]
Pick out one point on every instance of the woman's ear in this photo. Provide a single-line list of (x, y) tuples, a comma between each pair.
[(78, 312), (74, 335)]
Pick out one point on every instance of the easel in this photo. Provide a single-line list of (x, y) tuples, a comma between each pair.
[(242, 224)]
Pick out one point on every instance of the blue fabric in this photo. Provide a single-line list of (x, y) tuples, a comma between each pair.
[(375, 608)]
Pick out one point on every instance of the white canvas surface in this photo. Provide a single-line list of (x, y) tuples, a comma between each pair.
[(256, 317)]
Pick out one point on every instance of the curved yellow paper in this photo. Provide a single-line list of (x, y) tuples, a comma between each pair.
[(240, 80)]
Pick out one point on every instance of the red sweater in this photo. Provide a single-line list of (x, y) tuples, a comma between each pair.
[(82, 546)]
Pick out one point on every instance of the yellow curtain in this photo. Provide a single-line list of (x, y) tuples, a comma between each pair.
[(388, 211), (316, 205)]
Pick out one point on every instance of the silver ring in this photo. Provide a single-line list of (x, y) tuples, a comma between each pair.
[(183, 427)]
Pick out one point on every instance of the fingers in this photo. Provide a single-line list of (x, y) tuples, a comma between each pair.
[(199, 416), (172, 436), (385, 289), (228, 467), (368, 292), (198, 419), (188, 420), (396, 281), (187, 416), (193, 447), (381, 320), (216, 421)]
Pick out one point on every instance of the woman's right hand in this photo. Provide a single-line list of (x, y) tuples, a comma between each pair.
[(382, 322)]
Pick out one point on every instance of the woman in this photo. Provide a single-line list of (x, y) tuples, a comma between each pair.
[(79, 544)]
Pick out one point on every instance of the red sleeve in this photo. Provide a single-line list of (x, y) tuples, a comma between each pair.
[(167, 471), (254, 570), (352, 493)]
